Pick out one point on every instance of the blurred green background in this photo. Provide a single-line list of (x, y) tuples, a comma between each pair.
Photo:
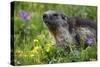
[(32, 42)]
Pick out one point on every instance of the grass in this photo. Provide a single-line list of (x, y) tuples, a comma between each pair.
[(33, 43)]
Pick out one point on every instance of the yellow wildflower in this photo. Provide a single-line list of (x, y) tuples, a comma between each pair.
[(19, 53), (35, 40), (32, 55), (35, 50), (47, 49)]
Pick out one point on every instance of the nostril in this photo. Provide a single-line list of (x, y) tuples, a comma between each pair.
[(45, 16)]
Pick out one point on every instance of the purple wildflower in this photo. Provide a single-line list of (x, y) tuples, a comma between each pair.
[(24, 15), (89, 41)]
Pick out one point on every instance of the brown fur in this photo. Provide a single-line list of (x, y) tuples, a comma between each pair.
[(68, 30)]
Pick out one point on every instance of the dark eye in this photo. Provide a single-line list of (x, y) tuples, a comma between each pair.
[(63, 17), (55, 14)]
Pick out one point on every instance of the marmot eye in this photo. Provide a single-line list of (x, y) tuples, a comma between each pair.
[(55, 14)]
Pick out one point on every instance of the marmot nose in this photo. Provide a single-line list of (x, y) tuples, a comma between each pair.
[(45, 16)]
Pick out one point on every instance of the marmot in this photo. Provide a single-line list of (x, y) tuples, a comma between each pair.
[(69, 30)]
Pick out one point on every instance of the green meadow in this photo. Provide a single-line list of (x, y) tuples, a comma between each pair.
[(33, 44)]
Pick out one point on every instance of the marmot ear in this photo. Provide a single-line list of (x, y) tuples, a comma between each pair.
[(63, 16)]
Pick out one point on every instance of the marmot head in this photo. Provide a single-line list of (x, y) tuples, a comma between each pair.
[(54, 19), (58, 25)]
